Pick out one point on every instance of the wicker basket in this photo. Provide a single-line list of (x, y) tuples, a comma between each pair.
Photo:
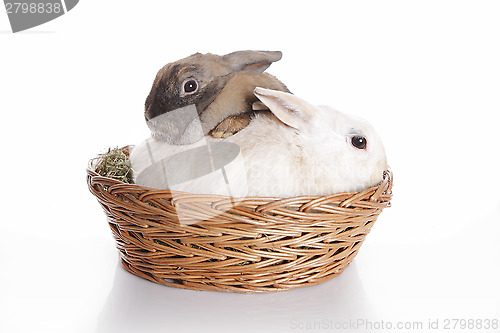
[(260, 245)]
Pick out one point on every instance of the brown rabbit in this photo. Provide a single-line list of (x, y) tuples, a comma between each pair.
[(220, 88)]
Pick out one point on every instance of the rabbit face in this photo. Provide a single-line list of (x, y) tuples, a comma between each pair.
[(196, 80), (355, 140), (346, 148)]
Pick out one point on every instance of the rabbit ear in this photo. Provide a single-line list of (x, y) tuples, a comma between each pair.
[(290, 109), (254, 62)]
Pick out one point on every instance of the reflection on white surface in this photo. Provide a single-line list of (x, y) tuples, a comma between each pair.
[(138, 305)]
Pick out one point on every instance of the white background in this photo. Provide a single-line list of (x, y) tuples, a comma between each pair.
[(425, 73)]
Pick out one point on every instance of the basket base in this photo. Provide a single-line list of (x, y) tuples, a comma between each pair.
[(248, 286)]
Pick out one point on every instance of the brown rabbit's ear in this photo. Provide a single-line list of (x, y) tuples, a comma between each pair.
[(254, 62)]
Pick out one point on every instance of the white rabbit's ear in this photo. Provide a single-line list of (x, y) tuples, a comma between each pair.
[(290, 109), (254, 62)]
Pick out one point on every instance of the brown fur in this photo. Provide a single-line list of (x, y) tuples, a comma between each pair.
[(231, 125), (237, 98), (226, 85)]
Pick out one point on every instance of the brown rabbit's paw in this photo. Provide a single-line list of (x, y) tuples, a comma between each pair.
[(230, 126)]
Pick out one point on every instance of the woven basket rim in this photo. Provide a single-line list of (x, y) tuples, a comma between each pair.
[(94, 162)]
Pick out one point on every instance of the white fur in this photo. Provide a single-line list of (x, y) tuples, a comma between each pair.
[(315, 158)]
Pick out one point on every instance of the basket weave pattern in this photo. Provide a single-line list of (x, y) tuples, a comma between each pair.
[(259, 245)]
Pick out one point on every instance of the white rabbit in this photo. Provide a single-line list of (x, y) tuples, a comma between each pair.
[(305, 150)]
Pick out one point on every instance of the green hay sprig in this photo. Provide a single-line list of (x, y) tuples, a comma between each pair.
[(116, 164)]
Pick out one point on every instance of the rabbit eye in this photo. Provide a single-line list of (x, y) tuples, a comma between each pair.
[(190, 86), (358, 141)]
